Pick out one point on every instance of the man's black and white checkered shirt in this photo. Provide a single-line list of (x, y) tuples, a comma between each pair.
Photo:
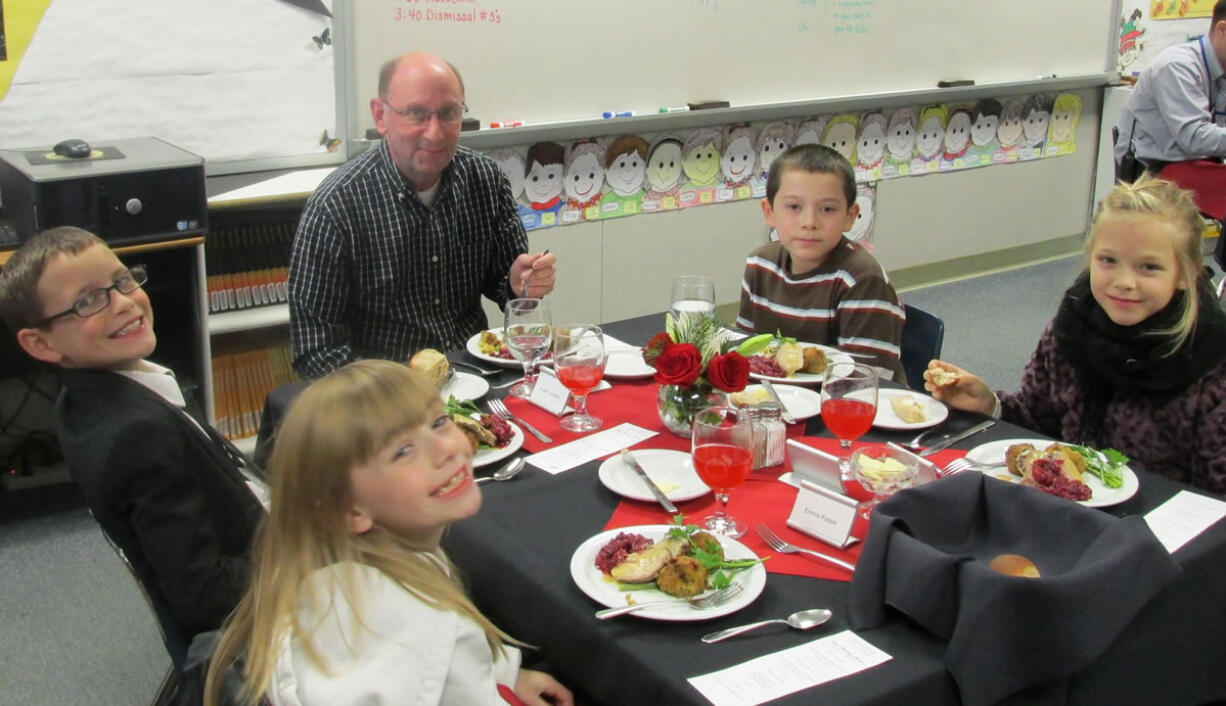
[(374, 273)]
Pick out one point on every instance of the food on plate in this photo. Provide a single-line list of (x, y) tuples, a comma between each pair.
[(643, 566), (772, 355), (1014, 565), (491, 343), (1052, 470), (482, 430), (684, 563), (432, 365), (908, 409), (941, 377), (683, 577), (749, 397), (879, 468)]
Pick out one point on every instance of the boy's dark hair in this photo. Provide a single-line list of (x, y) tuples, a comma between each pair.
[(815, 159), (20, 306), (1219, 13)]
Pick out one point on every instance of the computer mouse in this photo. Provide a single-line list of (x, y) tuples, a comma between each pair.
[(73, 149)]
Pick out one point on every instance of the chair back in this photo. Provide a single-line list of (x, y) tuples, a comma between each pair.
[(922, 337)]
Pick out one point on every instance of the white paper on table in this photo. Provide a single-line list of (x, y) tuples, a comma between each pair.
[(787, 671), (613, 344), (589, 448), (1176, 521)]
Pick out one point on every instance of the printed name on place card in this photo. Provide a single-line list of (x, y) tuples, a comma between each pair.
[(824, 514), (549, 393)]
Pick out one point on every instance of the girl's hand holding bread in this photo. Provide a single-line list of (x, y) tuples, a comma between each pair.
[(958, 388)]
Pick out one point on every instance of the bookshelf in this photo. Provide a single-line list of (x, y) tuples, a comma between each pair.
[(250, 233)]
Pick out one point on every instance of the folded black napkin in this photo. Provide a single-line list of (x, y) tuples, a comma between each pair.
[(927, 555)]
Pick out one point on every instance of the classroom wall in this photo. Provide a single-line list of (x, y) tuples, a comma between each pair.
[(614, 269)]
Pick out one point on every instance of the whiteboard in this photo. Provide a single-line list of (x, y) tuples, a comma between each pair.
[(567, 60), (229, 80)]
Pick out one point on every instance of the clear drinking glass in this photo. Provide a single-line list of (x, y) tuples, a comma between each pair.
[(883, 471), (692, 294), (849, 403), (723, 455), (528, 332), (578, 359)]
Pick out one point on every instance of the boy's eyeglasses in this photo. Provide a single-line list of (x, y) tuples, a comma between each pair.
[(96, 300), (416, 115)]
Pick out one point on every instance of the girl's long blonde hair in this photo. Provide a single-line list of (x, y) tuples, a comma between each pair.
[(339, 422), (1162, 199)]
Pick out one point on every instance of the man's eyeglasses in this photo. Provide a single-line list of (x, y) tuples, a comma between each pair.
[(96, 300), (416, 115)]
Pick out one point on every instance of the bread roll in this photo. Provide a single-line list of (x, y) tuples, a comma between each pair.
[(1014, 565), (908, 409), (432, 365), (941, 377)]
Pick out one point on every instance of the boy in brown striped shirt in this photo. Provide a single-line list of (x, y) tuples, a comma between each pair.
[(814, 284)]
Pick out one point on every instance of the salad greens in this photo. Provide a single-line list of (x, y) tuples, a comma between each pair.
[(1105, 464), (719, 568), (465, 408)]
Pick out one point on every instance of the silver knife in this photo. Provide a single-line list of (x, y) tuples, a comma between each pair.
[(946, 443), (784, 414), (655, 489)]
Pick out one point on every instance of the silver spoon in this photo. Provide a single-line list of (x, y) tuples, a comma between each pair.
[(507, 472), (802, 620)]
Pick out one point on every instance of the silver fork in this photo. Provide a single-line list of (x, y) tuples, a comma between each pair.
[(955, 466), (710, 600), (776, 542), (500, 408)]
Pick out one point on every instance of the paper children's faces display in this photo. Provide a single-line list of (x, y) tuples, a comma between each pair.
[(622, 175), (862, 228)]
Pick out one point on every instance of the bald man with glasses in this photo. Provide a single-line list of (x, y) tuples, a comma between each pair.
[(396, 248)]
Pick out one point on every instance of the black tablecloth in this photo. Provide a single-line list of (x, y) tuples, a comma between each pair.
[(515, 555)]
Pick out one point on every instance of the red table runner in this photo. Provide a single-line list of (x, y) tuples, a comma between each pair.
[(760, 499)]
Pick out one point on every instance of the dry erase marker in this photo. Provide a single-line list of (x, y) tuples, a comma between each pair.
[(618, 114), (508, 123), (678, 109)]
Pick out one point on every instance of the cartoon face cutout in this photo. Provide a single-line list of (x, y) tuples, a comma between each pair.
[(625, 173), (958, 131), (737, 163), (701, 164), (543, 182), (871, 147), (900, 135), (841, 137), (810, 132), (931, 135), (772, 142), (584, 176), (1010, 130), (664, 165), (983, 130), (511, 164), (1064, 118), (864, 219), (1034, 126)]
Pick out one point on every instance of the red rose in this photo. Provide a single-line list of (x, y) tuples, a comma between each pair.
[(655, 347), (728, 372), (679, 364)]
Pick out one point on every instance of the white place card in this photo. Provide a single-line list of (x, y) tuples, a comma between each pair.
[(589, 448), (785, 672), (824, 514), (1178, 520)]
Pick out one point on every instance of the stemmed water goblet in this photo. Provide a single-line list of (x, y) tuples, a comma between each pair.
[(723, 455), (579, 359), (849, 403), (692, 294), (528, 332)]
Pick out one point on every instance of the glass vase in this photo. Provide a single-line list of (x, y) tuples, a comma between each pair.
[(677, 405)]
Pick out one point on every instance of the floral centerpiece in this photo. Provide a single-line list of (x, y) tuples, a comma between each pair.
[(694, 366)]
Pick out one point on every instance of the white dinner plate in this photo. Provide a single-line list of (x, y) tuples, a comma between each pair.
[(464, 387), (993, 453), (934, 411), (475, 351), (800, 402), (626, 363), (485, 457), (673, 471), (833, 355), (605, 590)]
